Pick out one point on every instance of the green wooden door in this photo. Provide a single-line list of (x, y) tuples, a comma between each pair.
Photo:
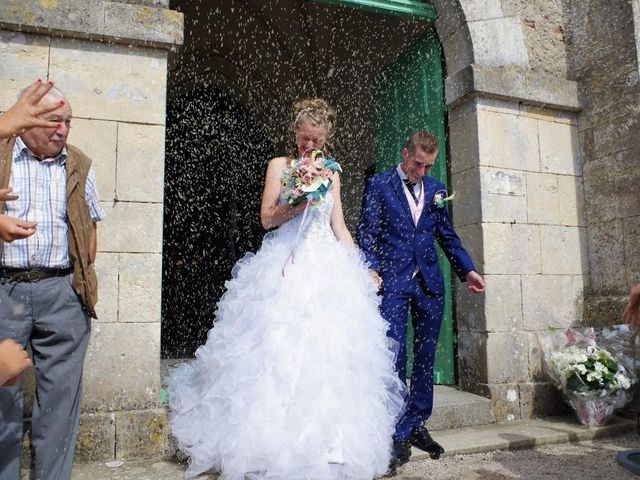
[(409, 96)]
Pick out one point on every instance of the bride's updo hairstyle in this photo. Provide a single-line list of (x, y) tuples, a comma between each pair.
[(318, 113)]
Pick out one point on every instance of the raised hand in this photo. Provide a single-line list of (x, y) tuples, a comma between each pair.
[(27, 112), (475, 282)]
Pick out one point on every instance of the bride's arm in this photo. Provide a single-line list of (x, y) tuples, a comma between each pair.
[(273, 214), (338, 226)]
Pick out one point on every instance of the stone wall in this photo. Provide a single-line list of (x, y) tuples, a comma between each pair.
[(603, 57), (111, 61)]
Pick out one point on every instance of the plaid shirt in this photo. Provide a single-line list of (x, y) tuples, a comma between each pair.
[(41, 186)]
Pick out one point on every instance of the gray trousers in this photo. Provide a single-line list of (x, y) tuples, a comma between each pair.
[(49, 316)]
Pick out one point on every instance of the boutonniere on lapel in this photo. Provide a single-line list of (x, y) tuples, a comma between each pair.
[(440, 198)]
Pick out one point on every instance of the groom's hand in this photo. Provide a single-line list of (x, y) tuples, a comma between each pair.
[(475, 282), (376, 278)]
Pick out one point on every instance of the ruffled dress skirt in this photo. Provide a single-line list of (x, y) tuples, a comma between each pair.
[(296, 380)]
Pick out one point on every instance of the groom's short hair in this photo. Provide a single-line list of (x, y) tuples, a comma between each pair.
[(425, 141)]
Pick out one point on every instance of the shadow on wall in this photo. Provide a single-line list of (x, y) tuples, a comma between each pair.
[(216, 157)]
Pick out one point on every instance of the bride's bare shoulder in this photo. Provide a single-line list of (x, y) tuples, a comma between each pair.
[(278, 162)]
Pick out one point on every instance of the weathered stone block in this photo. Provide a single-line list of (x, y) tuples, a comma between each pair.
[(499, 311), (604, 310), (463, 138), (474, 11), (140, 287), (565, 250), (493, 357), (616, 135), (155, 26), (610, 185), (131, 228), (508, 141), (543, 204), (58, 16), (553, 91), (551, 300), (98, 140), (505, 397), (451, 17), (540, 400), (631, 232), (496, 105), (606, 251), (108, 285), (458, 50), (472, 238), (498, 42), (134, 92), (23, 59), (122, 369), (96, 437), (549, 115), (96, 20), (571, 200), (466, 208), (28, 389), (511, 249), (141, 434), (140, 163), (559, 148), (503, 195)]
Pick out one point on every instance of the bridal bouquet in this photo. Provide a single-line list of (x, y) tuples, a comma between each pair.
[(308, 178), (593, 380)]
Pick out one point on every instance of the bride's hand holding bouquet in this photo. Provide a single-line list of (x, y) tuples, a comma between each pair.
[(308, 178)]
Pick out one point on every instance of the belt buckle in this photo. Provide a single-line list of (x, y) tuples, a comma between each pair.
[(33, 276)]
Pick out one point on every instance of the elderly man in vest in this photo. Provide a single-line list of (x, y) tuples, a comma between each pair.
[(48, 288)]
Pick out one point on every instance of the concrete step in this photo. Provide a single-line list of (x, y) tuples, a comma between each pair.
[(522, 434), (457, 409)]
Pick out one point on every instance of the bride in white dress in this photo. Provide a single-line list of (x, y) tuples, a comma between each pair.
[(296, 380)]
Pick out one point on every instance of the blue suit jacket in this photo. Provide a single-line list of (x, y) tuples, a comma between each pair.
[(393, 245)]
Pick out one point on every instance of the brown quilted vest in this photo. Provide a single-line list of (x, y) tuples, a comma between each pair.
[(85, 282)]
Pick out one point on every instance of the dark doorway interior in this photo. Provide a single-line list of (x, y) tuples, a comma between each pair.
[(216, 154)]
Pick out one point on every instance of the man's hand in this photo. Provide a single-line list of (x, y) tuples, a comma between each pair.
[(27, 112), (376, 278), (13, 229), (13, 361), (5, 195), (631, 314), (475, 282)]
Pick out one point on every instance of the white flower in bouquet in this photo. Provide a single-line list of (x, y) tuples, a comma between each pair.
[(587, 369)]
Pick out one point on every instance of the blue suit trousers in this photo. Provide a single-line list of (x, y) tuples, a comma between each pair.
[(426, 312)]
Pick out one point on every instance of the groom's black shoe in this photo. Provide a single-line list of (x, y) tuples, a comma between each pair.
[(422, 440), (400, 453)]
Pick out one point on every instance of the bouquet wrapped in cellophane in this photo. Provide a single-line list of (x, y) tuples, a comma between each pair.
[(594, 370), (308, 178)]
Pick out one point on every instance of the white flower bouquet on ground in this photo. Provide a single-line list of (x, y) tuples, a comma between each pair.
[(594, 371)]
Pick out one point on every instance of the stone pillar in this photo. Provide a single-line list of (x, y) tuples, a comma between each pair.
[(517, 174), (110, 58)]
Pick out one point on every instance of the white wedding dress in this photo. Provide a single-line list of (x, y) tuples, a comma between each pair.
[(296, 380)]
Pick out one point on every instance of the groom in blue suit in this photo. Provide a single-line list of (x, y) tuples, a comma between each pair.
[(403, 215)]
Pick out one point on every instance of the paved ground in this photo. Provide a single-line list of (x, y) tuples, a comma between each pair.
[(593, 459)]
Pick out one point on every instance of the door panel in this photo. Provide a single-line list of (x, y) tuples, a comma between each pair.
[(409, 96)]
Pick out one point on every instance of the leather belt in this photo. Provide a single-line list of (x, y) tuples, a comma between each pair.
[(27, 275)]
